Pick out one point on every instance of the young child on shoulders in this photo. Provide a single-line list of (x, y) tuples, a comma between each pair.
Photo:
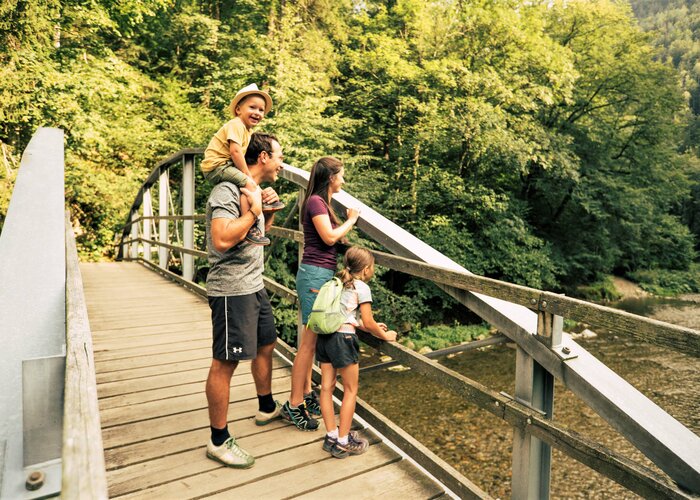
[(339, 353), (224, 158)]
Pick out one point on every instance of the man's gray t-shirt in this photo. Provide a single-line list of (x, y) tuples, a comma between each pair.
[(237, 271)]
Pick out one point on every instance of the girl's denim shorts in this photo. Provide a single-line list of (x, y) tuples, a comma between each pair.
[(309, 280)]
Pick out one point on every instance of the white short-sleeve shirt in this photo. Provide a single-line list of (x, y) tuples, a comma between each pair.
[(350, 301)]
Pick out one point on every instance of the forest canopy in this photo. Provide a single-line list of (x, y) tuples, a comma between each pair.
[(546, 143)]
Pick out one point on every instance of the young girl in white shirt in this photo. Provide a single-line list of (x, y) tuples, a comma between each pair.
[(339, 352)]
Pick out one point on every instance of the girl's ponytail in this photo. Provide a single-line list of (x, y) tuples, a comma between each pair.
[(345, 277), (355, 260)]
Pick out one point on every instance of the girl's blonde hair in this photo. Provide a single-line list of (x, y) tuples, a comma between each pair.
[(355, 260)]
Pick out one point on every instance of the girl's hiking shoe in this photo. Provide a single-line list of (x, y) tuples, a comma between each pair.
[(356, 446), (273, 207), (313, 405), (299, 417), (328, 442), (255, 237), (230, 454)]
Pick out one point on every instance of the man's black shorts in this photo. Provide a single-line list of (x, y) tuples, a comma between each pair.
[(339, 349), (241, 324)]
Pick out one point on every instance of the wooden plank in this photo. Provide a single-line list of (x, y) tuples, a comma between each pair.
[(172, 424), (111, 389), (396, 480), (150, 340), (153, 409), (324, 472), (148, 351), (172, 319), (182, 352), (172, 467), (269, 468), (164, 393), (147, 371), (83, 466), (145, 451), (197, 326)]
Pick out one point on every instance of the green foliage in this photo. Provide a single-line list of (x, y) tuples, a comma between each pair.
[(602, 290), (546, 143), (667, 282), (441, 336)]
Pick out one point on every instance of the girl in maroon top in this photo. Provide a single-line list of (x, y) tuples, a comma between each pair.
[(322, 230)]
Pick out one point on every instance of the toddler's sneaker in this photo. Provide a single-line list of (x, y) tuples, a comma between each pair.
[(313, 405), (356, 446), (273, 207), (256, 237), (230, 454), (264, 418), (299, 417)]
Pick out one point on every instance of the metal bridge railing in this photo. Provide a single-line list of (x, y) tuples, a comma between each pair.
[(529, 317), (50, 436)]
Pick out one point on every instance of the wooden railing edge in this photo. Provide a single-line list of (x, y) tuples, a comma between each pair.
[(679, 338), (84, 474)]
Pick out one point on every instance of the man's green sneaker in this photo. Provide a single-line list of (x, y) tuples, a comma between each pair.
[(230, 454)]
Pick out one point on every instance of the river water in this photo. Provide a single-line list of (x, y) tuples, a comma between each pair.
[(479, 445)]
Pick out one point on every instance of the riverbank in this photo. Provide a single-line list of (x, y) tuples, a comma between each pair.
[(479, 445)]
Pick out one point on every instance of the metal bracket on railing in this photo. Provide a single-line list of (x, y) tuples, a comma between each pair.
[(524, 403)]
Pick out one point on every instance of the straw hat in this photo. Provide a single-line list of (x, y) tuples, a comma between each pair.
[(250, 90)]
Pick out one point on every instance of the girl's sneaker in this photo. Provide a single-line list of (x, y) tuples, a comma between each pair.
[(256, 237), (356, 446), (328, 443)]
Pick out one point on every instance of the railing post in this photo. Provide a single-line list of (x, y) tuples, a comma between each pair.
[(534, 387), (134, 254), (163, 235), (300, 326), (188, 209), (147, 212)]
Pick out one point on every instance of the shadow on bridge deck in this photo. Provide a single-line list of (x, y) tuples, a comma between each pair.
[(152, 353)]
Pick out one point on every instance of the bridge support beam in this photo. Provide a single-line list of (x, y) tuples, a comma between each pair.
[(534, 387), (188, 209), (163, 234), (134, 253), (146, 231)]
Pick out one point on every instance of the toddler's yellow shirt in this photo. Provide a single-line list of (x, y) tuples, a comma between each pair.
[(218, 151)]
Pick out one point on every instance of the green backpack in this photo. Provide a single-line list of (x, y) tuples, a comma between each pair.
[(326, 314)]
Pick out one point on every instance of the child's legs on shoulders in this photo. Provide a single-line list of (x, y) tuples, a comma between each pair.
[(229, 173)]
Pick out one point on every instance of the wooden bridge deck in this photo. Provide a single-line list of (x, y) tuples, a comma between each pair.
[(152, 353)]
